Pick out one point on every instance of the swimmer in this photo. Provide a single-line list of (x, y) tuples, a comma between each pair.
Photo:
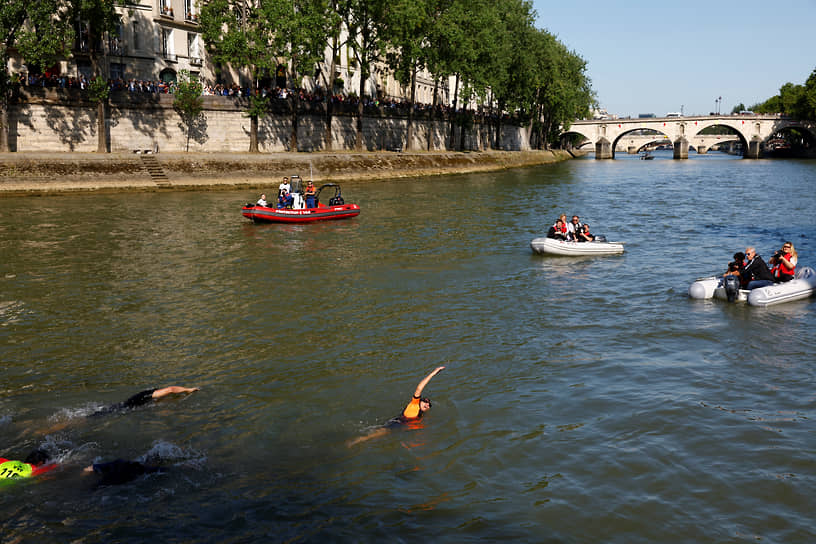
[(413, 412), (139, 399), (121, 471), (34, 464), (145, 397)]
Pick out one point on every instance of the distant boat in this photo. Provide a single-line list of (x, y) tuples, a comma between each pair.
[(646, 156)]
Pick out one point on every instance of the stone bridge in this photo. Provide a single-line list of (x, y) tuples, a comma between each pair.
[(753, 131)]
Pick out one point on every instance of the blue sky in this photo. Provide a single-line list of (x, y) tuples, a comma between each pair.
[(656, 57)]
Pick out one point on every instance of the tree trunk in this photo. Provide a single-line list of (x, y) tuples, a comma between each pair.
[(4, 124), (489, 124), (293, 141), (432, 120), (462, 134), (409, 133), (253, 133), (453, 112), (359, 144), (102, 140), (328, 137), (498, 145)]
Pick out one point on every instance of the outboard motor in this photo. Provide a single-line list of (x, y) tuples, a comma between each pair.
[(732, 286)]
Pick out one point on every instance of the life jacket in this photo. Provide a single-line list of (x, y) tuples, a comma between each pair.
[(781, 272)]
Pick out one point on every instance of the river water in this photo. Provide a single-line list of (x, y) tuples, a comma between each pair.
[(583, 400)]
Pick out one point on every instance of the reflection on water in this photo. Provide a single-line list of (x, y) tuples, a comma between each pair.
[(584, 399)]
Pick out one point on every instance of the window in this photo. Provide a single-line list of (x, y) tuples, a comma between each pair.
[(167, 49), (136, 31), (192, 49), (116, 46), (117, 71)]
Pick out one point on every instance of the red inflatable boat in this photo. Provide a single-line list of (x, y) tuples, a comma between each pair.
[(297, 210)]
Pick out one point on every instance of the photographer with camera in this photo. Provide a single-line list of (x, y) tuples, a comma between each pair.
[(737, 268), (784, 263)]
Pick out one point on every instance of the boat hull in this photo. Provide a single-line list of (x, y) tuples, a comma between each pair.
[(262, 214), (551, 246), (803, 286)]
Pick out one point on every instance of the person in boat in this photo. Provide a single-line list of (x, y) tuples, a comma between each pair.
[(737, 268), (262, 201), (575, 226), (784, 263), (756, 271), (583, 234), (284, 187), (35, 463), (285, 200), (310, 194), (558, 231), (412, 413)]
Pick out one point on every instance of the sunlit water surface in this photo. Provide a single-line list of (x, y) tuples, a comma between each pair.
[(584, 399)]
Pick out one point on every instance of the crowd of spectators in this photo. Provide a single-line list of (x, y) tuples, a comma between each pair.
[(340, 101)]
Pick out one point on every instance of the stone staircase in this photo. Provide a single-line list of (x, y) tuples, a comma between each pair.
[(151, 165)]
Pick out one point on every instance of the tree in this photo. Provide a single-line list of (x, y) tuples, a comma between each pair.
[(296, 35), (40, 31), (461, 43), (96, 19), (188, 102), (809, 106), (258, 36), (233, 33), (363, 20), (406, 25)]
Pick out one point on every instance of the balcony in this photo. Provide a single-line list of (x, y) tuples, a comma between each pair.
[(195, 61), (166, 12), (191, 18), (169, 57)]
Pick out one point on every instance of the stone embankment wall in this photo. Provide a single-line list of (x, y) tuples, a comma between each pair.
[(59, 120)]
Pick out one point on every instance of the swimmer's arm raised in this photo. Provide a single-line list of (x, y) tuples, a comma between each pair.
[(425, 381)]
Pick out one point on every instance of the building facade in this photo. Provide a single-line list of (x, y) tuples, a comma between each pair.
[(156, 39)]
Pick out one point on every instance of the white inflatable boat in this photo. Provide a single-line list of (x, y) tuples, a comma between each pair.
[(802, 286), (551, 246)]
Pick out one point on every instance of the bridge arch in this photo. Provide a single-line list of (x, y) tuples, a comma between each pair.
[(753, 131)]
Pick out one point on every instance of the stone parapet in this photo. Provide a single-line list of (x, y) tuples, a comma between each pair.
[(63, 120)]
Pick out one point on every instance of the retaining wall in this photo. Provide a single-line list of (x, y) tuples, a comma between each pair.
[(58, 120)]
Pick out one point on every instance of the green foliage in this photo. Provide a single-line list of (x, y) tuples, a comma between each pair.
[(187, 101), (798, 101), (258, 106), (99, 90)]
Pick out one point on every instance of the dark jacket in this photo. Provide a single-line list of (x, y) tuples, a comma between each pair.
[(558, 235), (756, 269)]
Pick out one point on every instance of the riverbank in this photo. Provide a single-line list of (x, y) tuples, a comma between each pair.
[(49, 173)]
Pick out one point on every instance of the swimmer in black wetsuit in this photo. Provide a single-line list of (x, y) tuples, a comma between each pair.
[(139, 399), (413, 412), (144, 397), (121, 471)]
